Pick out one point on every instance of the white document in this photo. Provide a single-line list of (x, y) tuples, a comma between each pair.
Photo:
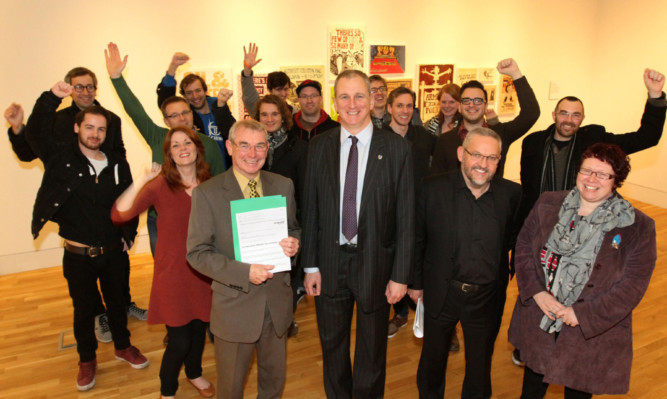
[(259, 234), (418, 326)]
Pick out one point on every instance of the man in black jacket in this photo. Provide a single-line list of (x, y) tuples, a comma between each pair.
[(311, 118), (549, 158), (80, 185)]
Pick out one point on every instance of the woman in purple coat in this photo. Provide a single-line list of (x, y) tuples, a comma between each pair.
[(584, 259)]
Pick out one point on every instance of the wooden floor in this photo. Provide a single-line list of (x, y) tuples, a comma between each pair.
[(35, 308)]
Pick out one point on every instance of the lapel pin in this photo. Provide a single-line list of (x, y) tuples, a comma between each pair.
[(380, 156), (616, 241)]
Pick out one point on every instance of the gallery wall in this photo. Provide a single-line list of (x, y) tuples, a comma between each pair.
[(596, 50)]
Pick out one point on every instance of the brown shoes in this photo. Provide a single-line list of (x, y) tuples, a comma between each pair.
[(207, 392)]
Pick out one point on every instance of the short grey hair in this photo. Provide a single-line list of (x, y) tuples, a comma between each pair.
[(485, 132), (247, 124)]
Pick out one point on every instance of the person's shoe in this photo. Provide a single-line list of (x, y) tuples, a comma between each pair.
[(132, 355), (293, 329), (86, 378), (135, 311), (454, 346), (102, 330), (516, 358), (395, 324), (208, 392)]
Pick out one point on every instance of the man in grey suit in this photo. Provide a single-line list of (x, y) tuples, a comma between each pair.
[(252, 307), (358, 238)]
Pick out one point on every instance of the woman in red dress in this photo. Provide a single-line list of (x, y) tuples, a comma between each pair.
[(180, 296)]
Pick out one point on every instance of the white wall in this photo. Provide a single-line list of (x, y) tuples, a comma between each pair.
[(584, 46)]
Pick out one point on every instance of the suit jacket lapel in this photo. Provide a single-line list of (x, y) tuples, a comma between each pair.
[(231, 186), (375, 157), (332, 162)]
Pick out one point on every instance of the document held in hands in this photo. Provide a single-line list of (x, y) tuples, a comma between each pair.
[(258, 225)]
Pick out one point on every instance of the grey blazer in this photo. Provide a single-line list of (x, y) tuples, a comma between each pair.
[(237, 311)]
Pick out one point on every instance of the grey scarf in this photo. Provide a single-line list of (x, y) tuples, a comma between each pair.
[(570, 250), (276, 139)]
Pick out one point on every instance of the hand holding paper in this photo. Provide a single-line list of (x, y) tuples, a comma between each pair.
[(260, 273)]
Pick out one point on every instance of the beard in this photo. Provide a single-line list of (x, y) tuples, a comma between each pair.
[(91, 145)]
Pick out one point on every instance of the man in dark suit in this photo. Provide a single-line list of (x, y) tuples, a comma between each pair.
[(358, 238), (252, 307), (465, 229)]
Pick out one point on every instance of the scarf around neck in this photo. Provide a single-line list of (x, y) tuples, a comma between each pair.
[(570, 251)]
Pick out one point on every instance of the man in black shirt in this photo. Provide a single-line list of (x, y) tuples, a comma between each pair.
[(465, 229), (80, 185)]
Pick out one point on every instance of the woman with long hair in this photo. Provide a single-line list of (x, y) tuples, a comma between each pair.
[(180, 296), (449, 97)]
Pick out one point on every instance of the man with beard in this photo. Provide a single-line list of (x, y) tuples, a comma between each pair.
[(311, 119), (211, 115), (549, 157), (80, 185), (473, 107), (465, 229)]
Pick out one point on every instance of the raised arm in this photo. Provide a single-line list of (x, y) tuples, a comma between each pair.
[(167, 86), (250, 95), (152, 133), (530, 108), (39, 129), (124, 208), (20, 146)]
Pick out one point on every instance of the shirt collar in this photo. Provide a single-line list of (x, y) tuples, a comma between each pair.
[(364, 135)]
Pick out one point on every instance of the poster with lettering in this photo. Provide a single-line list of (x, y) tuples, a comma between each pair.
[(464, 75), (387, 59), (259, 81), (396, 83), (346, 49), (490, 95), (507, 101), (298, 74), (431, 79)]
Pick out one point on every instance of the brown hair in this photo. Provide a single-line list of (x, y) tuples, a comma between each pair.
[(282, 108), (169, 169), (189, 79), (453, 90)]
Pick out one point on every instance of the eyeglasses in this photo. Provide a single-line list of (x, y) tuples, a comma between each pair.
[(381, 89), (245, 147), (476, 101), (89, 88), (181, 114), (599, 175), (492, 159), (310, 97)]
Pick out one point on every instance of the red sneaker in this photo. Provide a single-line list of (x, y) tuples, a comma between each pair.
[(132, 355), (86, 378)]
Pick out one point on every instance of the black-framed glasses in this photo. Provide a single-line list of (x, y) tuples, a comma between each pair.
[(492, 159), (89, 88), (177, 114), (599, 175), (381, 89), (476, 101)]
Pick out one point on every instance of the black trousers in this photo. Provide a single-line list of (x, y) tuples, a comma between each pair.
[(334, 319), (82, 273), (534, 387), (477, 312), (185, 347)]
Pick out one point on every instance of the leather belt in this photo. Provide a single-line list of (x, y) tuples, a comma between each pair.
[(465, 287), (92, 252), (349, 247)]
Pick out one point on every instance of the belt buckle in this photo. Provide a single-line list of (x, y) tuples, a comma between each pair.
[(93, 252), (465, 287)]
